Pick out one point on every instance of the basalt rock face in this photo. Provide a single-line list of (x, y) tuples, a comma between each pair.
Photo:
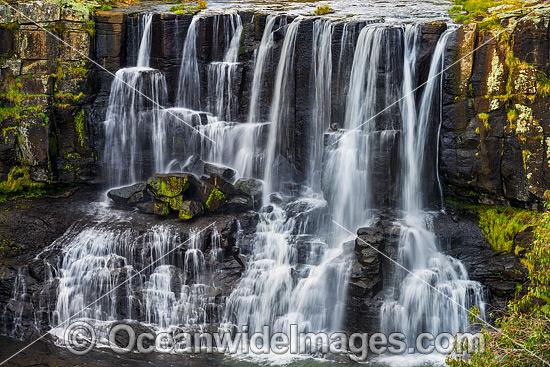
[(460, 236), (45, 93), (368, 274), (495, 135)]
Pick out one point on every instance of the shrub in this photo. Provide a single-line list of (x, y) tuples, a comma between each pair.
[(323, 9)]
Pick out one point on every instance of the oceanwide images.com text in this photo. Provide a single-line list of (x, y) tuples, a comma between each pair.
[(80, 338)]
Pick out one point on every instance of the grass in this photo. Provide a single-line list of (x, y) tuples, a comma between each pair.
[(501, 225), (543, 85), (476, 10), (189, 8)]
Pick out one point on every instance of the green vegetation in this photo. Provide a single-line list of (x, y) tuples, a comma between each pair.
[(501, 225), (86, 7), (79, 126), (215, 200), (105, 7), (521, 338), (543, 85), (323, 9), (189, 8), (19, 180)]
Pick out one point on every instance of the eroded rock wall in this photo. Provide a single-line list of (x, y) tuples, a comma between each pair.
[(495, 136), (46, 88)]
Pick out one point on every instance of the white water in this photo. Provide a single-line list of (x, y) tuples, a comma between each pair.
[(320, 83), (145, 45), (280, 103), (261, 57), (436, 295), (221, 74), (189, 87)]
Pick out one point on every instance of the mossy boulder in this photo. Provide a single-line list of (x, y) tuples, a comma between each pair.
[(169, 185), (162, 209), (222, 184), (210, 196), (190, 209)]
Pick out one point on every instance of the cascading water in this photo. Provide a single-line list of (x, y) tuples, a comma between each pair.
[(261, 57), (280, 103), (436, 295), (321, 78), (189, 86), (135, 95), (221, 74)]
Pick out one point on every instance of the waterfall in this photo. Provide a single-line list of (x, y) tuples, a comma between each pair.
[(171, 292), (261, 57), (280, 102), (145, 44), (321, 78), (189, 87), (297, 269), (348, 152), (418, 303), (221, 74)]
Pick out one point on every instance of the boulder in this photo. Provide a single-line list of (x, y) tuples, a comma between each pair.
[(239, 204), (225, 172), (194, 165), (250, 186), (210, 196), (129, 195), (190, 209), (221, 184), (169, 185), (146, 208), (161, 208)]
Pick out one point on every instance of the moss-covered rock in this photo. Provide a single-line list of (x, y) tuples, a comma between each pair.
[(162, 209), (190, 209), (169, 185)]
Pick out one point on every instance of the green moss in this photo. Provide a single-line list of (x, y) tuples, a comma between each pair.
[(501, 225), (175, 202), (184, 215), (13, 26), (79, 71), (105, 8), (215, 200), (162, 209), (543, 85), (79, 126), (168, 186), (19, 179)]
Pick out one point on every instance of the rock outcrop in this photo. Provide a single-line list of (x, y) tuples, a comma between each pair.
[(46, 88), (188, 196), (495, 134)]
